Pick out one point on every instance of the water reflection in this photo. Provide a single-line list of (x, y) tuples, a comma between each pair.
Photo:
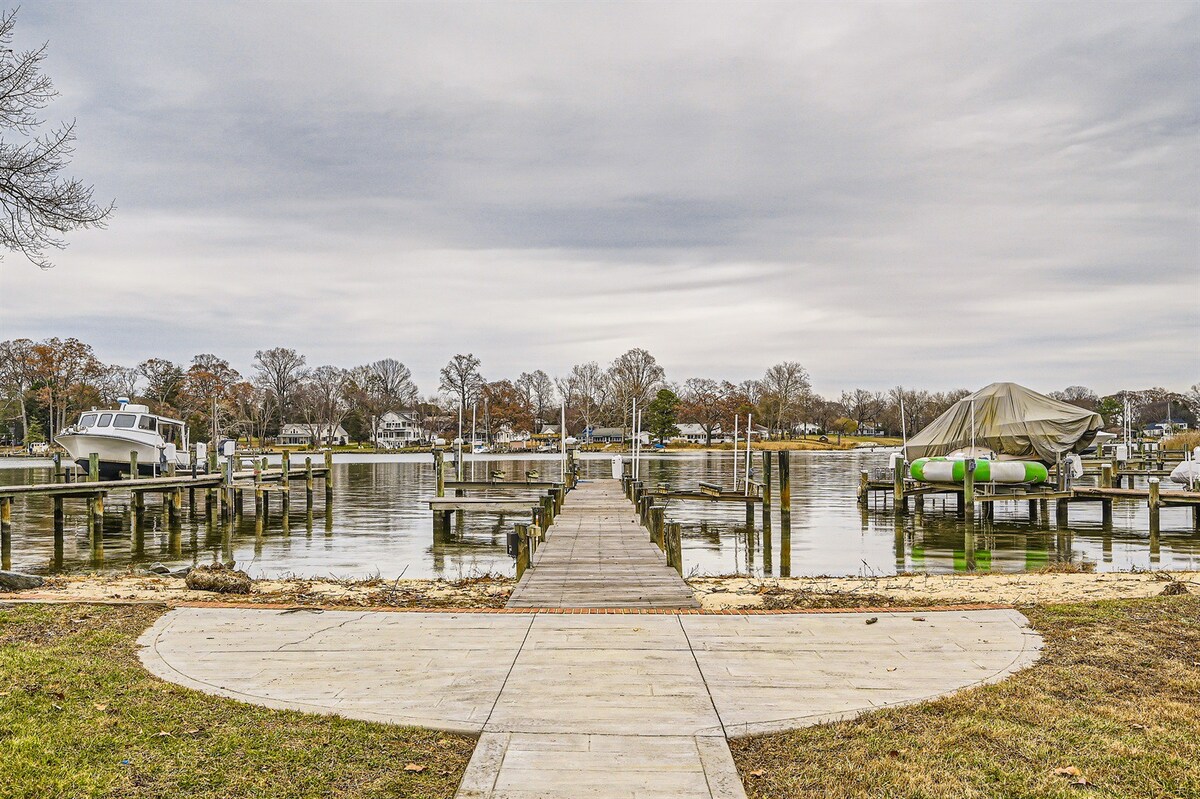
[(378, 523)]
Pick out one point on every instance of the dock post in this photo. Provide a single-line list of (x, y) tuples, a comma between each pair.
[(308, 484), (60, 473), (899, 503), (864, 487), (286, 465), (1033, 510), (1153, 501), (522, 549), (548, 510), (766, 487), (1106, 475), (675, 546), (969, 488), (93, 467), (6, 533), (1060, 513), (656, 526), (137, 501), (59, 517), (329, 478), (212, 460), (439, 471), (96, 512), (1106, 516), (175, 506), (133, 467), (785, 482)]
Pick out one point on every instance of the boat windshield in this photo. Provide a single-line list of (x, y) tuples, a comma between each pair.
[(124, 420), (87, 420), (171, 433), (147, 423), (105, 419)]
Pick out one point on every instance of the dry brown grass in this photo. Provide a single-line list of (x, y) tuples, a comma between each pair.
[(1113, 698), (80, 717), (1188, 439)]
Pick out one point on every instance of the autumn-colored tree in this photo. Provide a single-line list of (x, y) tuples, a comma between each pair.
[(708, 403), (204, 395), (60, 367), (505, 408)]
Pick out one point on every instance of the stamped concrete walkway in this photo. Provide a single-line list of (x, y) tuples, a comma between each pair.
[(576, 706), (597, 555), (620, 706)]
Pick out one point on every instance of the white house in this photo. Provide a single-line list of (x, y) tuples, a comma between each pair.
[(395, 430), (298, 434)]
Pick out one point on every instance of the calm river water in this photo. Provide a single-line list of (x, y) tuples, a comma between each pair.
[(380, 524)]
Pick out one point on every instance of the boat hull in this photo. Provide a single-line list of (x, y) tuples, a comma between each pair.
[(113, 453)]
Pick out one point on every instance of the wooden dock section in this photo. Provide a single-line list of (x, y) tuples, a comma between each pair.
[(597, 555)]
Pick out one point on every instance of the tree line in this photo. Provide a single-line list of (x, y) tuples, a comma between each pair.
[(45, 384)]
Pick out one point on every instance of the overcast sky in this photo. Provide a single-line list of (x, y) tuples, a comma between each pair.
[(938, 195)]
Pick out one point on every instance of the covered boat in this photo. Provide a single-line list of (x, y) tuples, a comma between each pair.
[(1013, 421)]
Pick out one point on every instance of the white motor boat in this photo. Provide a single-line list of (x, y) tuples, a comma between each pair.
[(113, 435)]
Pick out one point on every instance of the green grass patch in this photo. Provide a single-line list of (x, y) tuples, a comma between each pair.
[(1115, 702), (80, 717)]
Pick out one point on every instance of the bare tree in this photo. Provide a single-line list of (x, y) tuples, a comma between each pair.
[(38, 201), (322, 402), (634, 375), (785, 390), (586, 392), (163, 380), (706, 402), (461, 379), (538, 391), (280, 370)]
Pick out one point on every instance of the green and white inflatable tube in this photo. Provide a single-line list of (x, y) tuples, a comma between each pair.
[(947, 470)]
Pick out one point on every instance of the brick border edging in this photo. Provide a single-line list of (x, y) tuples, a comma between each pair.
[(33, 599), (604, 611)]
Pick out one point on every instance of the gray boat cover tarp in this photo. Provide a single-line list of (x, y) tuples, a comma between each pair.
[(1012, 420)]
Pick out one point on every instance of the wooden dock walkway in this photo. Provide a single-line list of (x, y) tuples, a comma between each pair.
[(597, 555)]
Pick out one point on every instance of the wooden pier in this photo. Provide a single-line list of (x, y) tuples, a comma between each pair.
[(224, 495), (597, 555), (901, 488)]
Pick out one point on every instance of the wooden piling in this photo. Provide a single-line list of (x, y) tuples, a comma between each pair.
[(1153, 501), (1106, 475), (785, 482), (286, 465), (522, 549), (308, 484), (328, 477), (898, 503), (133, 464), (864, 482), (439, 471), (1060, 513), (766, 487), (175, 506), (5, 533), (656, 526), (674, 546), (1033, 510), (94, 467), (969, 488)]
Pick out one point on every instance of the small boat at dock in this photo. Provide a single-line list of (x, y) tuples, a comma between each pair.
[(114, 434)]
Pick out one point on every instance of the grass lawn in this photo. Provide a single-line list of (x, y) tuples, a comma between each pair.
[(1115, 701), (79, 717)]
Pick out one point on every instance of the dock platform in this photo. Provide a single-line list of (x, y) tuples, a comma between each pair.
[(597, 555)]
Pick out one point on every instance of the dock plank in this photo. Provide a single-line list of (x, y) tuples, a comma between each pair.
[(596, 555)]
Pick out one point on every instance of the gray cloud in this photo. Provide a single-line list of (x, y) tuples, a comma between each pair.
[(886, 193)]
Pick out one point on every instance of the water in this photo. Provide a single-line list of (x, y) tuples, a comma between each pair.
[(379, 524)]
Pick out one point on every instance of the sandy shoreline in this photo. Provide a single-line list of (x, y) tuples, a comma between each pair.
[(714, 593)]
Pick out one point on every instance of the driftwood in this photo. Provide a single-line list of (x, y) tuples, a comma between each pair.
[(219, 578)]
